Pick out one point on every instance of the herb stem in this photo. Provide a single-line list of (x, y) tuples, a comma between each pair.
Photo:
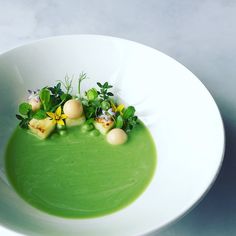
[(82, 76)]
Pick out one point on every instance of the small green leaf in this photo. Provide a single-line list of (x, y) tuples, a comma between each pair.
[(92, 94), (40, 115), (19, 117), (58, 86), (110, 94), (129, 112), (45, 95), (45, 98), (24, 108), (119, 122), (24, 123), (90, 112), (105, 85), (99, 84)]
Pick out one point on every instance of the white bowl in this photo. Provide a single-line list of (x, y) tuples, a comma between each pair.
[(179, 111)]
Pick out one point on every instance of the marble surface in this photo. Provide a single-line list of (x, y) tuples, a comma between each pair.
[(200, 34)]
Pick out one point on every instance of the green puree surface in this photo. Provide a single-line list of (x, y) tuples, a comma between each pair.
[(78, 175)]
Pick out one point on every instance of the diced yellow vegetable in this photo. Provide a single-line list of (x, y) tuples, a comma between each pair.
[(102, 125), (42, 128), (75, 122)]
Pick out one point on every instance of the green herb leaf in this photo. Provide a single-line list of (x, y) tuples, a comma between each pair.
[(24, 123), (92, 94), (90, 112), (56, 90), (129, 112), (24, 108), (19, 117), (40, 115), (119, 122), (110, 94), (103, 93), (130, 123), (99, 84), (45, 98)]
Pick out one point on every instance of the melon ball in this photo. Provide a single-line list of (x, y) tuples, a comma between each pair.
[(117, 136), (35, 104), (73, 109)]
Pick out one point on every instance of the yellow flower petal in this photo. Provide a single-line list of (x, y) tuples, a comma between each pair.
[(58, 111), (120, 108), (50, 114), (60, 122), (63, 116)]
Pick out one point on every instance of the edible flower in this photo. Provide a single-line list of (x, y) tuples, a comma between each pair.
[(110, 112), (105, 115), (119, 109), (57, 117), (34, 94)]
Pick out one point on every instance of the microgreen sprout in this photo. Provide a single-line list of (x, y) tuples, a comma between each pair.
[(82, 77), (67, 83)]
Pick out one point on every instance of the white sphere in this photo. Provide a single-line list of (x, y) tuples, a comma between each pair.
[(117, 136), (35, 104), (73, 109)]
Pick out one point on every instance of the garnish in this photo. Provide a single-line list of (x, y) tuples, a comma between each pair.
[(103, 93), (33, 94), (82, 77), (57, 117), (55, 108)]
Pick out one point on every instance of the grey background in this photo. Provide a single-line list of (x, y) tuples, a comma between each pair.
[(198, 33)]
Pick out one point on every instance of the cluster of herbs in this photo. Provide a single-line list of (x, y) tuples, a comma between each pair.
[(99, 101), (127, 120), (95, 102), (26, 114), (50, 98)]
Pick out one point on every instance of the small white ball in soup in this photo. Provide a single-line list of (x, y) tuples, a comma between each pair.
[(73, 109), (35, 104), (117, 136)]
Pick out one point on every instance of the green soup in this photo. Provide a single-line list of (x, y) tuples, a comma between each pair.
[(78, 175)]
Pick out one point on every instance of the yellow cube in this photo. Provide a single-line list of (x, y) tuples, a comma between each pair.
[(102, 125), (42, 128), (75, 122)]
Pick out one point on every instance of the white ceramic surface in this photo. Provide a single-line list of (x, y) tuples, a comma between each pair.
[(181, 114)]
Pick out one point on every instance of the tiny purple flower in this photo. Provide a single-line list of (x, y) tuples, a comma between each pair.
[(105, 115), (111, 112), (34, 94)]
